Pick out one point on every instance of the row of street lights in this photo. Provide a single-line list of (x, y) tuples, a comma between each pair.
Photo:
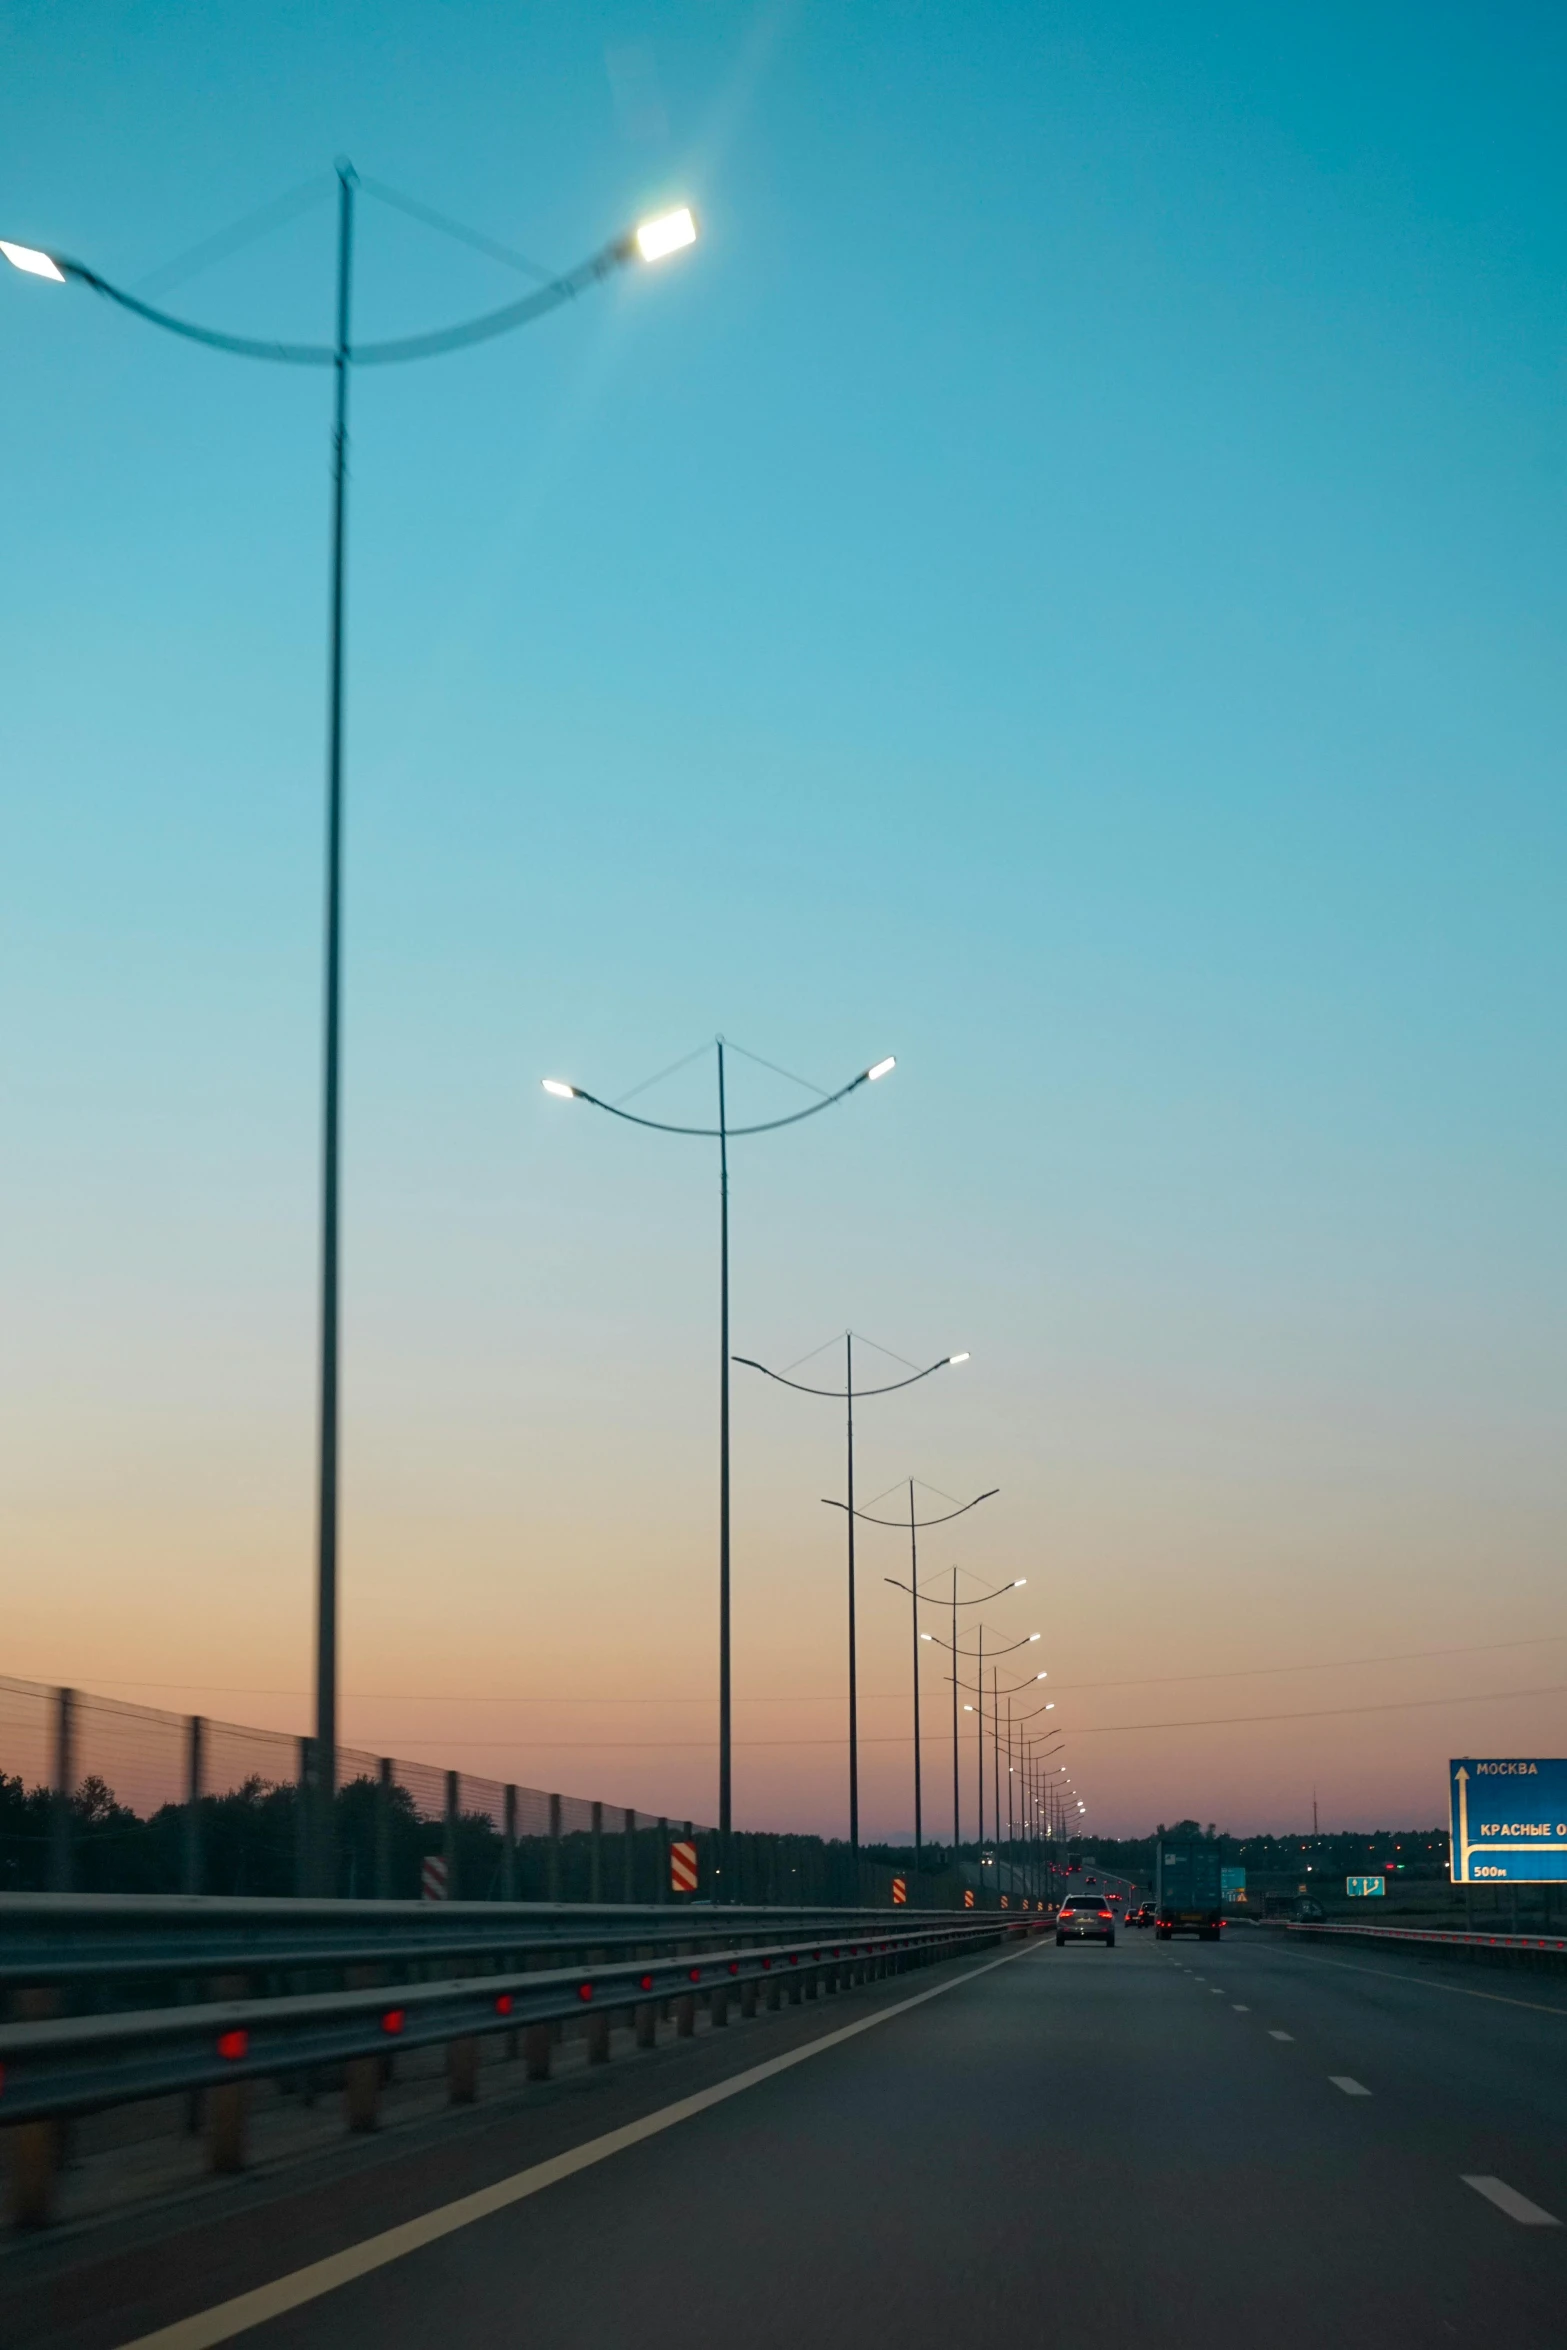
[(650, 240)]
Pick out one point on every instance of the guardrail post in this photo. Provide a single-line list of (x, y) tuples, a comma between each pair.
[(685, 2015), (748, 1991), (462, 2071), (661, 1865), (628, 1859), (362, 2074), (227, 2101), (553, 1873), (509, 1846), (453, 1813), (35, 2147), (537, 2041), (596, 1856), (304, 1806), (383, 1829), (194, 1741), (64, 1787), (718, 2007), (598, 2035)]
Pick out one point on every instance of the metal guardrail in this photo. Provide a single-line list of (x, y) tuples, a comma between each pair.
[(78, 2064), (1437, 1936), (94, 1939)]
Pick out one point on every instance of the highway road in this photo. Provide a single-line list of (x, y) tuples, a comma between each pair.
[(1336, 2146)]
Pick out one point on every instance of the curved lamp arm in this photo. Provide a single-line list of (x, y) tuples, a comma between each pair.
[(920, 1524), (648, 242), (844, 1394), (576, 1093), (972, 1654)]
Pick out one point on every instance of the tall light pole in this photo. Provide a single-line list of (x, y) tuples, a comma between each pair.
[(652, 240), (723, 1134), (846, 1396)]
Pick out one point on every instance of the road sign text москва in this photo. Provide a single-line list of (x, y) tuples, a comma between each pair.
[(1509, 1820)]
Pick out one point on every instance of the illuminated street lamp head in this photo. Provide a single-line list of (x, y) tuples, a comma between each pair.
[(881, 1069), (666, 234), (560, 1089), (28, 259), (962, 1358), (1050, 1706), (1041, 1676), (968, 1709), (927, 1635), (1036, 1635), (1018, 1582)]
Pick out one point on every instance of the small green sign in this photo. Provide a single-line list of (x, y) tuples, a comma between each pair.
[(1365, 1885)]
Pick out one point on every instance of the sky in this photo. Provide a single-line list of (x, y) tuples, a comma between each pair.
[(1062, 585)]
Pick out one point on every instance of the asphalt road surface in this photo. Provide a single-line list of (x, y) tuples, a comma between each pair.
[(1332, 2145)]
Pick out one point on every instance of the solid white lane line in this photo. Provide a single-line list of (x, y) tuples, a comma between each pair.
[(1281, 2035), (1508, 2199), (228, 2318), (1350, 2086), (1497, 1998)]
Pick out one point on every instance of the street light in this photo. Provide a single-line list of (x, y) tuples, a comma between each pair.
[(648, 241), (723, 1134), (915, 1525), (845, 1395)]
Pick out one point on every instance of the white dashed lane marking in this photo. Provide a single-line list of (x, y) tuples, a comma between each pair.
[(1281, 2036), (1243, 2011), (1508, 2199), (1350, 2086)]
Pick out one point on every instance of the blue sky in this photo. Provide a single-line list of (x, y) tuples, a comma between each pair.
[(1064, 583)]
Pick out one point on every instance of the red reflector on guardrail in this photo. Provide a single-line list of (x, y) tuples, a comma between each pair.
[(233, 2045), (695, 1974), (647, 1983), (767, 1966), (584, 1990), (734, 1966), (503, 2004), (393, 2020)]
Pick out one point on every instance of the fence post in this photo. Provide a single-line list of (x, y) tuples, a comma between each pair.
[(628, 1851), (64, 1776), (554, 1864), (383, 1829), (194, 1741), (509, 1847), (661, 1872), (304, 1814), (596, 1856), (449, 1832)]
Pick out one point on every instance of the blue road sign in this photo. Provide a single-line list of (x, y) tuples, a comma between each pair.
[(1232, 1884), (1364, 1887), (1509, 1820)]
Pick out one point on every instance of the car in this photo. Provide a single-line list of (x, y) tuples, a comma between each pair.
[(1083, 1917), (1141, 1916)]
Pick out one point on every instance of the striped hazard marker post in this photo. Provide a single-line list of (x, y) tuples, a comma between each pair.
[(682, 1868), (968, 1897), (900, 1892), (434, 1883)]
